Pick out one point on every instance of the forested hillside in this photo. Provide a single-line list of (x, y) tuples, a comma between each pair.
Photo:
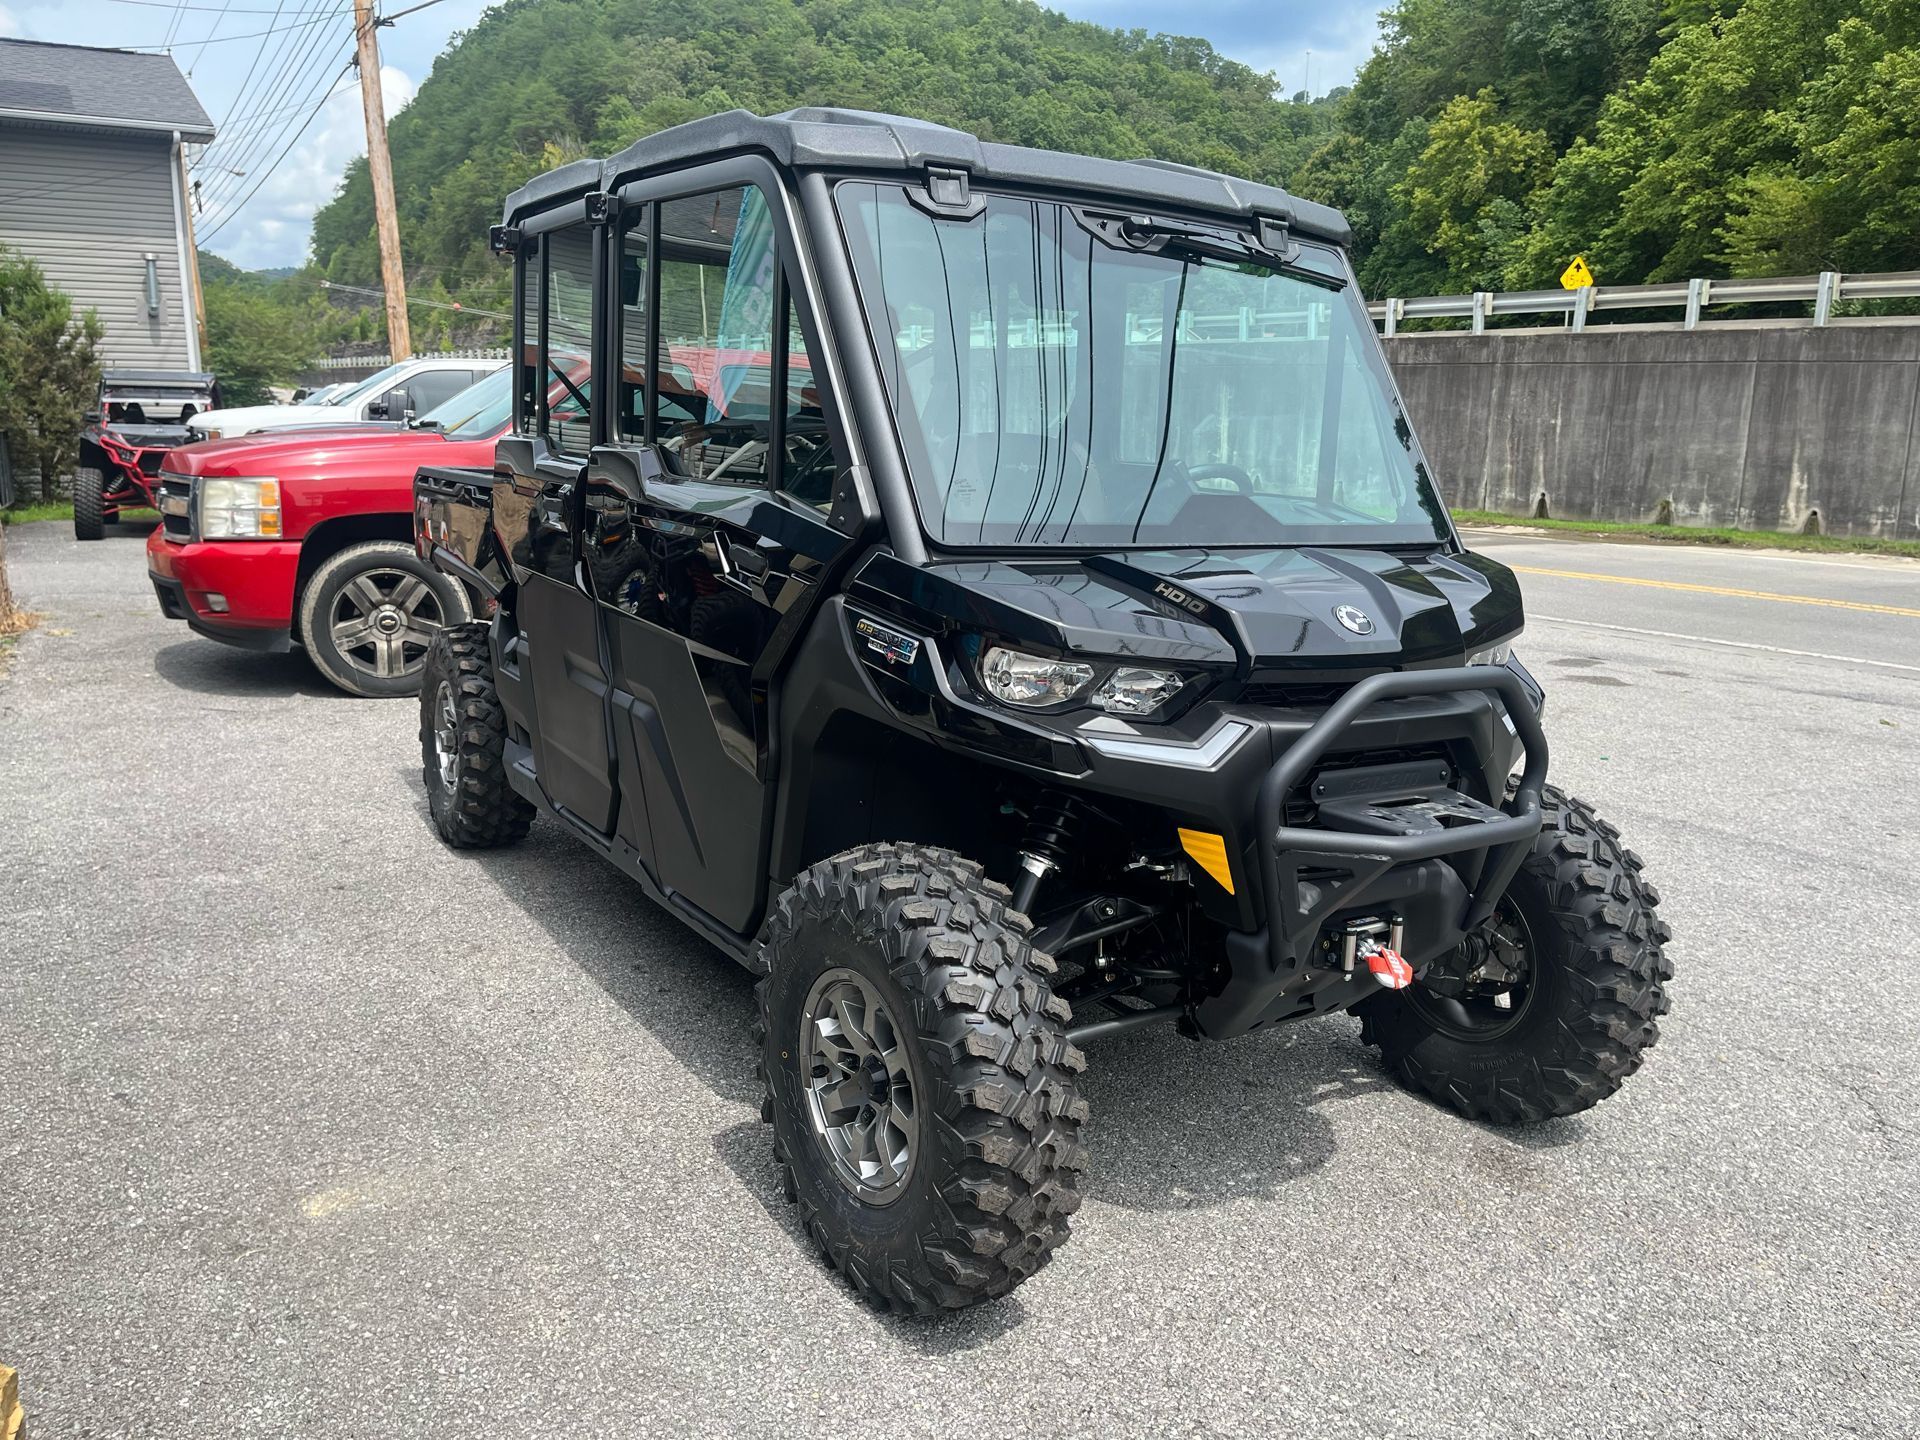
[(538, 82), (1484, 143), (1489, 140)]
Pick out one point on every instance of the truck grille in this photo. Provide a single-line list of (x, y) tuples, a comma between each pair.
[(1316, 697), (176, 507)]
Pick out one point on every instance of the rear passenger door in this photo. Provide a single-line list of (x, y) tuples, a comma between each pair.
[(707, 517), (558, 651)]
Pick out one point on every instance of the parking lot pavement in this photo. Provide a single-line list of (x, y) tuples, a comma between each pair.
[(309, 1126)]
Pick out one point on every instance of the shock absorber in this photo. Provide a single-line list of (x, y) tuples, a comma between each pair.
[(1053, 827)]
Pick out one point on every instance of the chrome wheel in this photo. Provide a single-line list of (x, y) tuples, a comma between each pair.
[(384, 620), (446, 735), (860, 1085)]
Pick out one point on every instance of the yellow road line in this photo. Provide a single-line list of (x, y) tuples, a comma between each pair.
[(1720, 590)]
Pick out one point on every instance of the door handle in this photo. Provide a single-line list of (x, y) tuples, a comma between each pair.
[(748, 560)]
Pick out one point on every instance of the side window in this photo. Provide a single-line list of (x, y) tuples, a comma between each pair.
[(630, 401), (433, 388), (724, 324), (527, 365), (567, 373)]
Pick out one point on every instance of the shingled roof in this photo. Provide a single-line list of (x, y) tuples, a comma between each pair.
[(97, 88)]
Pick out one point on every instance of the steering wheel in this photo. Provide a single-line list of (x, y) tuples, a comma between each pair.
[(1241, 481)]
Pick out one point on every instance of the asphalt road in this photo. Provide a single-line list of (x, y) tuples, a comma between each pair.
[(309, 1126)]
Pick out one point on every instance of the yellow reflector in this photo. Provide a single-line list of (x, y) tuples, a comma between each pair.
[(1209, 852)]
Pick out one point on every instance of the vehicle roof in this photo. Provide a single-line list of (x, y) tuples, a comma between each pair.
[(864, 140), (199, 378)]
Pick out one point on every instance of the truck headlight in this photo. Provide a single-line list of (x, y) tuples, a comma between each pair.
[(1493, 654), (238, 509), (1014, 677), (1137, 690), (1039, 682)]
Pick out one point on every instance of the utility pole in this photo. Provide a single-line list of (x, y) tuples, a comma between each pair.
[(393, 278)]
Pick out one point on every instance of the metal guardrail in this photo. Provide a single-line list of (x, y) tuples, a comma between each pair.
[(382, 360), (1824, 290)]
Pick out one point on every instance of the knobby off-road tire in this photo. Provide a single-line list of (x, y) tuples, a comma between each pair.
[(89, 504), (463, 736), (1597, 988), (995, 1171), (379, 583)]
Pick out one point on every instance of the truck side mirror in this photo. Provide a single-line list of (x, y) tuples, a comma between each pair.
[(391, 406)]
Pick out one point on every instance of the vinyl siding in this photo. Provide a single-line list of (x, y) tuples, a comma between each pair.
[(89, 208)]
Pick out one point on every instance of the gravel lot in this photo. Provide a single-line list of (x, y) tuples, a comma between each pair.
[(309, 1126)]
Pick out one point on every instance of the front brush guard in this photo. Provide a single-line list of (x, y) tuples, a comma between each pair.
[(1440, 823)]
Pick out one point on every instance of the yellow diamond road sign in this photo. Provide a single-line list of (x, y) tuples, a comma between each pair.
[(1576, 276)]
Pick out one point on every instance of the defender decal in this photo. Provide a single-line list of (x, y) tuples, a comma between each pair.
[(893, 646)]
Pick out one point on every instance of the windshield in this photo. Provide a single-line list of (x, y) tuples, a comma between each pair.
[(1053, 389), (480, 410), (370, 387)]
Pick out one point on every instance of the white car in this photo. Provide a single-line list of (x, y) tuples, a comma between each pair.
[(415, 386)]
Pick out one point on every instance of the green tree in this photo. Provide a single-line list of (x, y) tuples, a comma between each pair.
[(52, 374), (1469, 189)]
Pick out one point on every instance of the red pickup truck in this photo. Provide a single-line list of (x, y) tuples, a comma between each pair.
[(305, 537)]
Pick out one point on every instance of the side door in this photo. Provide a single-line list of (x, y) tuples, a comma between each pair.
[(557, 655), (708, 516)]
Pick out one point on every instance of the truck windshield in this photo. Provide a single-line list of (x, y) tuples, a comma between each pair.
[(1053, 389)]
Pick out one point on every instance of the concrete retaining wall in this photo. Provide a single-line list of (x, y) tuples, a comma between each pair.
[(1754, 425)]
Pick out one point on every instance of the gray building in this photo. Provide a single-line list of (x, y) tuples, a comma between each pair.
[(93, 187)]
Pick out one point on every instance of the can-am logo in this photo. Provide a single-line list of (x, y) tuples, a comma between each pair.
[(1191, 603), (1354, 618)]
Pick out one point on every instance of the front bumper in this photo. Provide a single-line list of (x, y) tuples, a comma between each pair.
[(254, 577), (1405, 846)]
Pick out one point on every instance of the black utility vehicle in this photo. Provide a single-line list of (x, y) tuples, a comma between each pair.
[(139, 416), (963, 582)]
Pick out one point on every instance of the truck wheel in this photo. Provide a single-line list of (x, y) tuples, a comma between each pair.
[(463, 735), (89, 504), (1582, 981), (368, 614), (918, 1077)]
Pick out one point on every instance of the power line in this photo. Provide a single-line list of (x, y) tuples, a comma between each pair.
[(247, 79), (239, 120), (227, 219), (220, 9), (416, 300), (250, 35), (254, 133), (224, 190), (201, 53), (402, 14)]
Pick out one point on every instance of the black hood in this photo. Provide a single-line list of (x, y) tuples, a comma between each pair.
[(1248, 610)]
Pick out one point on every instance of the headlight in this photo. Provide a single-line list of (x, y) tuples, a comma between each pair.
[(1014, 677), (233, 509), (1036, 682), (1493, 654), (1137, 690)]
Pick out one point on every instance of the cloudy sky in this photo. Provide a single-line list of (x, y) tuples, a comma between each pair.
[(289, 112)]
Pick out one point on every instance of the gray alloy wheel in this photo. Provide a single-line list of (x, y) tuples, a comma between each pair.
[(446, 736), (861, 1095), (368, 614), (383, 621)]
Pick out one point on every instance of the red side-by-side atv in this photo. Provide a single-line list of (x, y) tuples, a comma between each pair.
[(140, 416)]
